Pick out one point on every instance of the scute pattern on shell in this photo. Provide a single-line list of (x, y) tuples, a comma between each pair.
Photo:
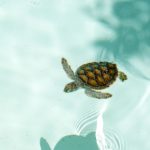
[(98, 75)]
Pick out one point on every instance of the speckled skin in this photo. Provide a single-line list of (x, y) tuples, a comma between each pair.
[(92, 77)]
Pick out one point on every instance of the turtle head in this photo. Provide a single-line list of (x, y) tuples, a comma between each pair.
[(70, 87), (122, 76)]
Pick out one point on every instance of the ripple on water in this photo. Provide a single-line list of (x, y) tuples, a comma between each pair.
[(114, 141), (85, 120)]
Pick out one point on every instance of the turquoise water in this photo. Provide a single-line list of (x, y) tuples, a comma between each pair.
[(35, 112)]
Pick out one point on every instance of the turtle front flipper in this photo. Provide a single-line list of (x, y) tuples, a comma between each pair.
[(122, 76), (67, 69), (97, 94)]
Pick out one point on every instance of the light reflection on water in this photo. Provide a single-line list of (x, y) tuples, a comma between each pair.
[(109, 139)]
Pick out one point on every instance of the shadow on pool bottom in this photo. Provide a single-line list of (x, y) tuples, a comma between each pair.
[(73, 142)]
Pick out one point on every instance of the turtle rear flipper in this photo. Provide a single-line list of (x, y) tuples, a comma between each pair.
[(70, 87), (67, 69)]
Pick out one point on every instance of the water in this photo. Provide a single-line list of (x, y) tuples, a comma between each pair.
[(35, 112)]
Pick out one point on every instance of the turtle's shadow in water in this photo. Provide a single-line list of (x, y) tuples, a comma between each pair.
[(44, 144), (73, 142)]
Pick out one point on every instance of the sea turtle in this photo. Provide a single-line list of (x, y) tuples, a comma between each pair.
[(93, 77)]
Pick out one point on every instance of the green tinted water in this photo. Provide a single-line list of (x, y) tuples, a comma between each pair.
[(35, 112)]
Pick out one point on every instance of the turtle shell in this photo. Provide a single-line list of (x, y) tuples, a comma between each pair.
[(97, 75)]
